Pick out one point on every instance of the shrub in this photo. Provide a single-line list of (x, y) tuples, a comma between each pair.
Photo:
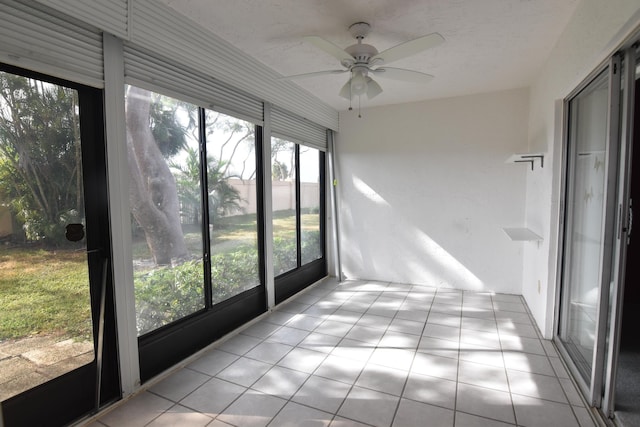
[(166, 294), (234, 272), (284, 254)]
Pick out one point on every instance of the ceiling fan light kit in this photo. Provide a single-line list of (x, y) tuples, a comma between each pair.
[(358, 82), (361, 59)]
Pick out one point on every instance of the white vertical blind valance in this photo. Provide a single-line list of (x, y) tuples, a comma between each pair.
[(291, 127), (111, 16), (34, 37), (62, 38), (145, 69), (159, 28)]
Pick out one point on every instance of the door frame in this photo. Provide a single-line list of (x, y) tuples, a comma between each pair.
[(601, 392), (623, 229), (592, 390)]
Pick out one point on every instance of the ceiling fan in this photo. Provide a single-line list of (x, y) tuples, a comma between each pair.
[(362, 60)]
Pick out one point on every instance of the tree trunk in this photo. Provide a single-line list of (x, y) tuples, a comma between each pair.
[(153, 191)]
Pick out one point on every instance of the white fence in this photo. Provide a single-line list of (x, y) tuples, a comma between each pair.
[(283, 195)]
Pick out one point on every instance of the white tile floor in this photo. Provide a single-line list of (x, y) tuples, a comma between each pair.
[(369, 353)]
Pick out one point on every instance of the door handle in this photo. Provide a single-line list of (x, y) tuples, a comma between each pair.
[(628, 227)]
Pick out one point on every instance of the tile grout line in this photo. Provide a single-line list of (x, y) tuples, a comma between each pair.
[(415, 352), (335, 414), (368, 359), (540, 337), (365, 363), (289, 400), (215, 376), (343, 306), (247, 388), (455, 400), (504, 363)]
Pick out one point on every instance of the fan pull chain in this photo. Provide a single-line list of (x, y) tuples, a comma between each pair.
[(359, 99), (350, 95)]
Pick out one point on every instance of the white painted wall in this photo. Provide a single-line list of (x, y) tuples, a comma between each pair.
[(424, 191), (591, 35)]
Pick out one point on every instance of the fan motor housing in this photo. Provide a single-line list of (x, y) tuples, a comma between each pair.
[(362, 52)]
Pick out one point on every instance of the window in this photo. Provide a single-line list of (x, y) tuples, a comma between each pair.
[(311, 243), (195, 227), (233, 209), (298, 212), (284, 201), (165, 200), (197, 217)]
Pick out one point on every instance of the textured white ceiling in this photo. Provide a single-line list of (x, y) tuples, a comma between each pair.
[(490, 44)]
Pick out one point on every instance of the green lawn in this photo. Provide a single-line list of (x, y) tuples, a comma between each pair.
[(43, 292)]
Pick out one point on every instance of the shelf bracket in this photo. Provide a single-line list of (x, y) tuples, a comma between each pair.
[(528, 158), (525, 161), (533, 157)]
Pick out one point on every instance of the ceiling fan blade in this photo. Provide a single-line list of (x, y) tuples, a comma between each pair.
[(314, 74), (403, 75), (409, 48), (345, 92), (373, 88), (330, 48)]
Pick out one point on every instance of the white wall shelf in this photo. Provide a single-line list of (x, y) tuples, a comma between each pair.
[(527, 158), (522, 234)]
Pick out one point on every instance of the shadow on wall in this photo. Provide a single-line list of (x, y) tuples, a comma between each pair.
[(415, 254)]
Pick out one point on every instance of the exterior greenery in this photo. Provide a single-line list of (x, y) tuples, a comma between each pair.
[(43, 292), (164, 294), (40, 158), (44, 285)]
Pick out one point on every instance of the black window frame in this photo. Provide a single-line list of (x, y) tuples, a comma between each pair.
[(169, 344), (295, 280), (46, 403)]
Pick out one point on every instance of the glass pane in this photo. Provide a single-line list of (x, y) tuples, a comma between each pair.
[(165, 199), (231, 185), (584, 231), (310, 204), (283, 175), (45, 314)]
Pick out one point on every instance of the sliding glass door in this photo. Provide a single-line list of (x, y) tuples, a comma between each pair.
[(592, 151), (621, 395)]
